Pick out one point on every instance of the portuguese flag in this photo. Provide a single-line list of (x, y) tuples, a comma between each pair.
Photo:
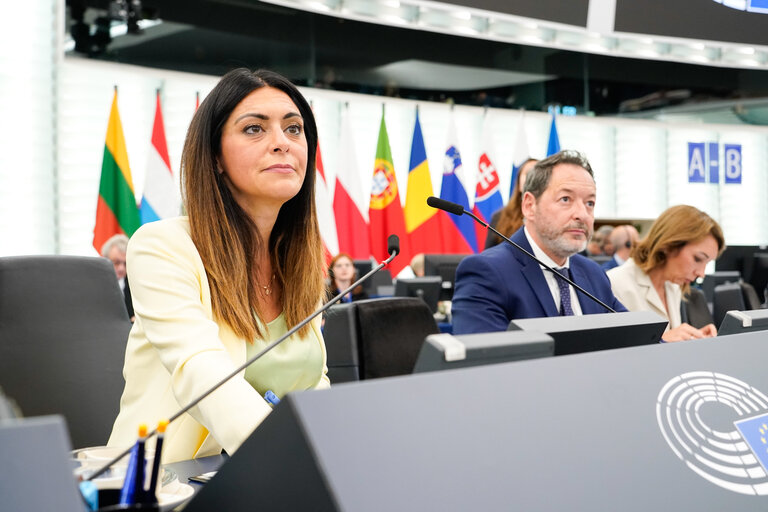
[(385, 212), (116, 211)]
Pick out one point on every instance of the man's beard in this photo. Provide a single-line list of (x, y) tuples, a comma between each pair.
[(558, 244)]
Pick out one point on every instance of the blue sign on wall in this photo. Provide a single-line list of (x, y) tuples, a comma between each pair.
[(732, 154), (704, 162), (696, 163), (713, 162)]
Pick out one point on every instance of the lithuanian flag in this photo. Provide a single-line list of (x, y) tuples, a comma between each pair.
[(116, 211)]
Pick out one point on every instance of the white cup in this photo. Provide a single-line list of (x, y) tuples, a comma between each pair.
[(89, 460)]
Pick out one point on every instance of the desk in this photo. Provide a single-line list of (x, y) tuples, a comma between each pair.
[(194, 467)]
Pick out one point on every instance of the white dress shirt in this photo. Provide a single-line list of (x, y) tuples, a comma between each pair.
[(552, 280)]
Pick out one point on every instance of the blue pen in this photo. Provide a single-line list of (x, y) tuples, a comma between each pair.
[(271, 398)]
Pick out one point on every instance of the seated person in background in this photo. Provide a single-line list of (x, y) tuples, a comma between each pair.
[(503, 284), (510, 218), (622, 239), (662, 266), (607, 248), (341, 274), (417, 265), (114, 250), (597, 243), (212, 289)]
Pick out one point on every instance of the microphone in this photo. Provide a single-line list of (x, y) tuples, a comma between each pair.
[(393, 248), (457, 209), (393, 245), (442, 204)]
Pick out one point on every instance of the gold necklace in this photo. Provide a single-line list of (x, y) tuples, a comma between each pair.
[(268, 288)]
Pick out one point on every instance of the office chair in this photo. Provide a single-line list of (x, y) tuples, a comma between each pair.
[(376, 338), (63, 329), (733, 296), (694, 309)]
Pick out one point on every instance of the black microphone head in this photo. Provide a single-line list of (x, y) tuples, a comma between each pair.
[(448, 206), (393, 244)]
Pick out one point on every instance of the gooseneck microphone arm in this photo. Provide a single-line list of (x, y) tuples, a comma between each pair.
[(457, 209), (393, 249)]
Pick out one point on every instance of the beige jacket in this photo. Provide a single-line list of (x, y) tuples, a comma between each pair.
[(635, 290), (176, 351)]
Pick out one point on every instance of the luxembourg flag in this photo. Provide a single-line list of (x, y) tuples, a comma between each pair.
[(462, 237), (161, 197), (520, 153), (487, 192)]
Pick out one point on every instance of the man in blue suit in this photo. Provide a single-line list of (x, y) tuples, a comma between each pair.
[(503, 284), (622, 238)]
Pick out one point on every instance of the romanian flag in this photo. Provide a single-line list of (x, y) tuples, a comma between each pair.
[(116, 211), (421, 221), (385, 212)]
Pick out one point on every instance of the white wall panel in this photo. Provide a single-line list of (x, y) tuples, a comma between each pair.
[(744, 208), (640, 177), (28, 128), (640, 166)]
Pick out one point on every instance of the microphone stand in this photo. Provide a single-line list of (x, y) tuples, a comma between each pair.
[(394, 250), (457, 209)]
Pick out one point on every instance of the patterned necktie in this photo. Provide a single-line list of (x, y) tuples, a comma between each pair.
[(565, 292)]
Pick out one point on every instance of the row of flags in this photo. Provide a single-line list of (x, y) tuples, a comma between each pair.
[(346, 223), (421, 229), (116, 210)]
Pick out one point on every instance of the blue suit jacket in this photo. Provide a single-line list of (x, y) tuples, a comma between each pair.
[(611, 263), (503, 284)]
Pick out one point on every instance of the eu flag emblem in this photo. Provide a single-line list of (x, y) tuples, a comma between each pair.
[(755, 432)]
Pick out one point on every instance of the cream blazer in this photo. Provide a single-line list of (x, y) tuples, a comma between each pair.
[(176, 351), (635, 290)]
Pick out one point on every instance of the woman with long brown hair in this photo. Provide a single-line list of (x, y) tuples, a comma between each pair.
[(214, 288), (662, 266)]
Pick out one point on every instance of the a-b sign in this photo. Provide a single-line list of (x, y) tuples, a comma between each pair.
[(704, 162)]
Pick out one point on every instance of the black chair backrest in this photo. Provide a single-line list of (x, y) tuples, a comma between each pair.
[(341, 341), (695, 310), (751, 298), (63, 330), (376, 338), (727, 297), (391, 332)]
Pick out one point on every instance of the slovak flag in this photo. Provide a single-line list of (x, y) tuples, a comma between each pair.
[(461, 237), (487, 192)]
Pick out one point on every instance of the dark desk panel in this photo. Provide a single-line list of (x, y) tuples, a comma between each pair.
[(635, 429)]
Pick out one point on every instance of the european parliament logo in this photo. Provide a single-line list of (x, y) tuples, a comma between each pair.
[(704, 162), (718, 426), (760, 6)]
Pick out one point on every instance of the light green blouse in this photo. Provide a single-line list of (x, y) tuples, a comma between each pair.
[(294, 365)]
